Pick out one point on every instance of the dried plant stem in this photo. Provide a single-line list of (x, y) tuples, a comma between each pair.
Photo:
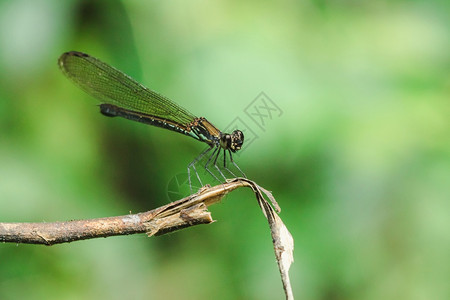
[(180, 214), (174, 216)]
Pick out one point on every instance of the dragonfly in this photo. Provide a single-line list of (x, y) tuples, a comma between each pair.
[(122, 96)]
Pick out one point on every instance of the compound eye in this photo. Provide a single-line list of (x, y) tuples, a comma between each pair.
[(237, 139)]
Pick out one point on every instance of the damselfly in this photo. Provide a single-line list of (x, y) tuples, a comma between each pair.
[(122, 96)]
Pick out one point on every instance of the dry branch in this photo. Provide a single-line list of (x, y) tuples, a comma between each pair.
[(183, 213), (180, 214)]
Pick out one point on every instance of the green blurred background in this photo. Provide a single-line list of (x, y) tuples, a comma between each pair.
[(359, 159)]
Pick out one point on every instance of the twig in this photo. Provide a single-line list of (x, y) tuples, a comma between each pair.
[(180, 214), (183, 213)]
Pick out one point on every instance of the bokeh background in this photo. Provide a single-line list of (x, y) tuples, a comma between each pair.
[(358, 155)]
